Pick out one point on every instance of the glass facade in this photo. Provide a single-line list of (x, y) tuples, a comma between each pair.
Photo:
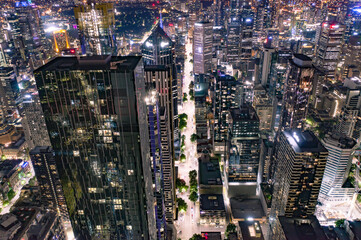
[(95, 112)]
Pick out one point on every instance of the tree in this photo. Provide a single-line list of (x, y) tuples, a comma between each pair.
[(11, 194), (181, 185), (191, 60), (183, 157), (182, 124), (185, 97), (183, 116), (194, 137), (191, 94), (193, 196), (182, 205), (231, 228), (196, 237), (340, 222), (192, 174)]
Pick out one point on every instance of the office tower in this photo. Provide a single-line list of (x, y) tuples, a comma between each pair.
[(46, 173), (61, 40), (329, 47), (349, 122), (158, 48), (301, 160), (297, 91), (243, 164), (202, 47), (33, 122), (233, 41), (262, 18), (263, 105), (340, 149), (30, 33), (202, 109), (156, 146), (7, 94), (95, 112), (246, 34), (96, 28), (158, 78), (227, 97), (268, 55)]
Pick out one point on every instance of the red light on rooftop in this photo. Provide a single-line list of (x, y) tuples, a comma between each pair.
[(153, 4), (72, 51), (171, 24)]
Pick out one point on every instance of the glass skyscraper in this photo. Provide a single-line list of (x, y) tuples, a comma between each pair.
[(95, 112)]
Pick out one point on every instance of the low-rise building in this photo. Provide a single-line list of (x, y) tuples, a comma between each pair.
[(212, 209), (210, 179)]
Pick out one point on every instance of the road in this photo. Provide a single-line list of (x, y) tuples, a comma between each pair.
[(187, 223)]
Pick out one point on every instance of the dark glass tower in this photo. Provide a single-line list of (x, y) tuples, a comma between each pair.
[(95, 112)]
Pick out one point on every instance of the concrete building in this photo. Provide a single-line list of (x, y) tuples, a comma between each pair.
[(340, 149)]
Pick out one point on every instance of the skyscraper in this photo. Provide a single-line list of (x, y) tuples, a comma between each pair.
[(338, 164), (7, 95), (30, 33), (202, 47), (159, 79), (301, 160), (48, 179), (35, 130), (227, 97), (96, 28), (95, 112), (233, 41), (243, 164), (329, 47), (297, 91)]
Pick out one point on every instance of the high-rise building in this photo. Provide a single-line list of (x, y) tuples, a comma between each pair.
[(329, 47), (338, 164), (202, 109), (264, 108), (61, 40), (227, 97), (46, 173), (301, 161), (243, 163), (30, 33), (202, 47), (246, 34), (233, 41), (297, 91), (348, 121), (158, 48), (95, 112), (158, 78), (35, 130), (7, 94), (96, 28)]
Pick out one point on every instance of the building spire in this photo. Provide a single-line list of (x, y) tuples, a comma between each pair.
[(160, 19)]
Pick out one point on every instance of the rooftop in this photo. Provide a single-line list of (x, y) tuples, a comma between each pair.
[(355, 227), (302, 229), (91, 63), (246, 208), (251, 230), (209, 173), (304, 141), (211, 202)]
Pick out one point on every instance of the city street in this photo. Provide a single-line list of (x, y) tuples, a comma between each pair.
[(187, 223)]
